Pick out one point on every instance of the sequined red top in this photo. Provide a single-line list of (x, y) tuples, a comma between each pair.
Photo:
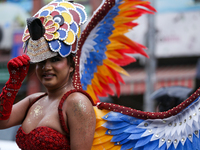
[(45, 138)]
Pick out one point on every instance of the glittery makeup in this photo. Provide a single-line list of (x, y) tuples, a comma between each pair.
[(47, 118), (29, 121), (38, 110), (86, 116), (82, 106)]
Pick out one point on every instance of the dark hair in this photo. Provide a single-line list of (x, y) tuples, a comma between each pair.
[(166, 102), (70, 61)]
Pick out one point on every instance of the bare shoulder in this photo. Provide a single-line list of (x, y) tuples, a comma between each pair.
[(79, 102), (76, 97), (81, 120)]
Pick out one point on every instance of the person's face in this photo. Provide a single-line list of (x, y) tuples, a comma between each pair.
[(53, 72)]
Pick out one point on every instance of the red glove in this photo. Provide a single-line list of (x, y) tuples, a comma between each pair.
[(18, 69)]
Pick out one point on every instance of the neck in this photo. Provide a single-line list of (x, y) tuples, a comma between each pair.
[(57, 93)]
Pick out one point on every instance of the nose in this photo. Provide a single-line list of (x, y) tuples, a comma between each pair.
[(47, 65)]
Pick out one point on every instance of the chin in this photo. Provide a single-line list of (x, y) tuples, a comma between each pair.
[(49, 85)]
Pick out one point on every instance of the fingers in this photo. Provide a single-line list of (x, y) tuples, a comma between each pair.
[(15, 63), (19, 61), (24, 59)]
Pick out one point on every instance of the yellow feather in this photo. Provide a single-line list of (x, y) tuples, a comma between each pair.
[(96, 80), (116, 147), (105, 72), (100, 113), (125, 40), (115, 45), (123, 27), (100, 132), (121, 30), (102, 78), (113, 54), (127, 14), (132, 10), (115, 66), (103, 139), (100, 123), (122, 20), (103, 146), (92, 94), (118, 33)]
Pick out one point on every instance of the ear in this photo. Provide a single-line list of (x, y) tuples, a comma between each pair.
[(71, 69)]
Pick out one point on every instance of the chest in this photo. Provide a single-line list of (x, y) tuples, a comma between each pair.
[(43, 113)]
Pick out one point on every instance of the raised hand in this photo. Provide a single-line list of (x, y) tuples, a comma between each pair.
[(18, 69)]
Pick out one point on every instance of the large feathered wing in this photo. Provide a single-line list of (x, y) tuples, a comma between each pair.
[(122, 128), (103, 47)]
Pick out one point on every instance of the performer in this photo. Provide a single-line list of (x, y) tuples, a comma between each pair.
[(63, 117)]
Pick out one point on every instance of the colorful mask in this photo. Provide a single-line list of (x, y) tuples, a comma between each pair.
[(60, 27)]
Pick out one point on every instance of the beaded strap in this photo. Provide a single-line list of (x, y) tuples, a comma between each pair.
[(150, 115)]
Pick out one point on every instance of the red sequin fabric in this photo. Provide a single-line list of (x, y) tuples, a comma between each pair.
[(42, 138)]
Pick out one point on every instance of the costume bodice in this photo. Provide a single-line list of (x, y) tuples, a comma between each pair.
[(46, 138), (43, 138)]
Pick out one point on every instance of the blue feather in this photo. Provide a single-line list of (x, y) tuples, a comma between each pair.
[(134, 129), (84, 83), (179, 147), (135, 136), (143, 141), (112, 116), (151, 146), (188, 144), (120, 137), (102, 41), (171, 147), (196, 142), (131, 120), (105, 30), (99, 56), (128, 145), (87, 77), (90, 66), (115, 125), (163, 147), (125, 141), (117, 131)]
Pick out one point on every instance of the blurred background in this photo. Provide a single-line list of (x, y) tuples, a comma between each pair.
[(172, 36)]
